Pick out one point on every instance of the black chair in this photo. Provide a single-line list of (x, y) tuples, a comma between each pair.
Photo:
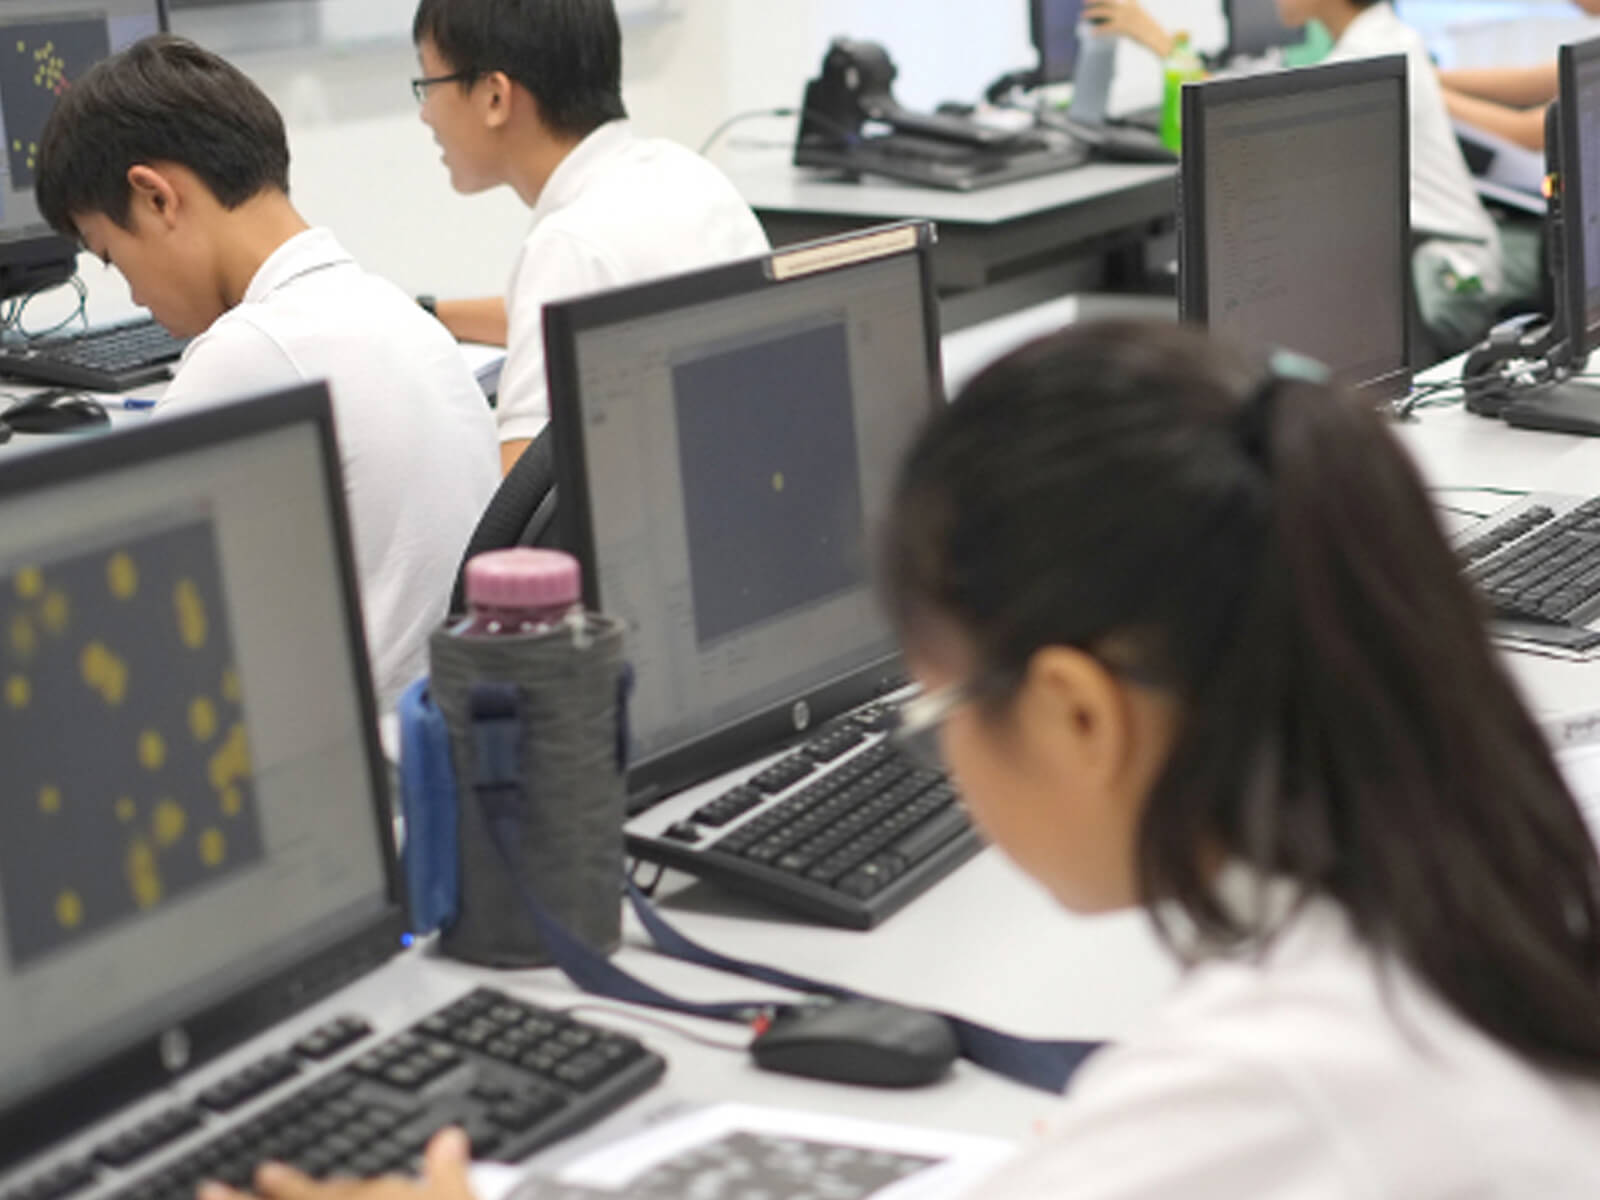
[(522, 512)]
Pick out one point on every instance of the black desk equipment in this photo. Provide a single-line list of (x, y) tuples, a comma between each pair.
[(725, 443), (104, 358), (851, 122)]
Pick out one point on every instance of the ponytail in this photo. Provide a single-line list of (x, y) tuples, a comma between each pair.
[(1269, 553)]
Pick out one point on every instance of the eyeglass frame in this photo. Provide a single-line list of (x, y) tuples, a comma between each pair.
[(421, 84), (920, 717)]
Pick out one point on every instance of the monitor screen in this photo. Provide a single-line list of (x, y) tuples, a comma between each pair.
[(1054, 25), (1254, 28), (190, 802), (1579, 171), (44, 46), (1295, 215), (739, 436)]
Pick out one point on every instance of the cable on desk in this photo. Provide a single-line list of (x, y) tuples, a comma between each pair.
[(658, 1023), (1517, 493), (649, 889), (749, 115), (12, 313), (1463, 512)]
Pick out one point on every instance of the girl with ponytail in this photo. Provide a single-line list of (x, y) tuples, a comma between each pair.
[(1190, 639)]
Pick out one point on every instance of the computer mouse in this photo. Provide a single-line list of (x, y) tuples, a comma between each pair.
[(858, 1041), (55, 413)]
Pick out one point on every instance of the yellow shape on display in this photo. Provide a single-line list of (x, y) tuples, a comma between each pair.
[(231, 763), (126, 810), (144, 874), (232, 801), (231, 692), (49, 799), (202, 719), (191, 614), (104, 672), (213, 847), (24, 638), (18, 691), (170, 822), (152, 750), (56, 612), (30, 582), (69, 909), (122, 577), (777, 481)]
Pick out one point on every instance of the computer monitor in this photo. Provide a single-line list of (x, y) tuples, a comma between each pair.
[(725, 445), (1576, 167), (1294, 216), (194, 831), (1053, 25), (44, 46), (1254, 28)]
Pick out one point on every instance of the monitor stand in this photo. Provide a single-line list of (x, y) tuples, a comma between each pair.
[(1571, 406)]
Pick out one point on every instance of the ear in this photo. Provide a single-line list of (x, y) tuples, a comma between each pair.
[(496, 94), (1078, 710), (154, 194)]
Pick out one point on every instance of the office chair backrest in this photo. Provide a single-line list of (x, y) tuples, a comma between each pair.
[(522, 512)]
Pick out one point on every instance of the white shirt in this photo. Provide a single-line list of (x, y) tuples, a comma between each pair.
[(1443, 198), (416, 436), (1304, 1075), (619, 209)]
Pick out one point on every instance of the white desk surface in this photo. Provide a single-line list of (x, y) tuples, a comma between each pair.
[(769, 183)]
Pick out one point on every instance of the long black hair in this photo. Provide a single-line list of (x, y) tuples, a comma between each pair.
[(1260, 546)]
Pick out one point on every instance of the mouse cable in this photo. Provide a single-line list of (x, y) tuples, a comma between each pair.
[(658, 1023), (80, 311), (737, 118)]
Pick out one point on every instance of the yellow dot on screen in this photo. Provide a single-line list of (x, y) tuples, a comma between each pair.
[(152, 750), (55, 612), (126, 810), (232, 801), (30, 582), (202, 719), (93, 661), (213, 847), (50, 799), (24, 638), (170, 822), (69, 910), (230, 686), (191, 614), (144, 876), (777, 481), (16, 144), (122, 577), (18, 691)]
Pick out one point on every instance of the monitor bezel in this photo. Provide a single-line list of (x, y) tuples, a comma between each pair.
[(1582, 333), (1191, 209), (43, 260), (144, 1064), (772, 726), (1036, 24), (1291, 35)]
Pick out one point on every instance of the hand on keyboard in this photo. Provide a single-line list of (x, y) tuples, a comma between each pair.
[(444, 1177)]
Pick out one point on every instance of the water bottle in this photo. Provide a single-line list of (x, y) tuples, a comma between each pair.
[(1182, 66), (1097, 64), (519, 592)]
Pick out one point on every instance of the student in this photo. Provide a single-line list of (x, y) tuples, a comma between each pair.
[(167, 163), (1465, 267), (1229, 691), (527, 93)]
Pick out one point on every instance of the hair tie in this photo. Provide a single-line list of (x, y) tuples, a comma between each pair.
[(1254, 420)]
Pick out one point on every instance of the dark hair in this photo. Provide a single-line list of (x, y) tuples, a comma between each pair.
[(164, 99), (1261, 547), (566, 53)]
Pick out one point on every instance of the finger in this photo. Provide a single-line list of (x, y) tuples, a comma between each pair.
[(219, 1191), (445, 1164), (277, 1181)]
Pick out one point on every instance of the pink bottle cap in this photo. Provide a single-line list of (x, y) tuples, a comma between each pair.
[(523, 578)]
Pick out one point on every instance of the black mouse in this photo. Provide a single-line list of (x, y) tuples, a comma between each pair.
[(858, 1041), (55, 412)]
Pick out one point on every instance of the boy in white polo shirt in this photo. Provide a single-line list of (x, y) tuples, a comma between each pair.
[(170, 165), (528, 93)]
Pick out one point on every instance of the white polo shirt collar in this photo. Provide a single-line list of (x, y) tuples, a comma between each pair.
[(312, 250), (572, 175)]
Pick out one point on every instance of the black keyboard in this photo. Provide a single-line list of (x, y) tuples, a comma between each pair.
[(1538, 564), (845, 829), (514, 1076), (940, 163), (107, 358)]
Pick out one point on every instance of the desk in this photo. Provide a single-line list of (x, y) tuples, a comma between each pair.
[(988, 237)]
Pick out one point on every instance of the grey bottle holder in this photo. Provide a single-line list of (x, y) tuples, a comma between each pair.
[(562, 828)]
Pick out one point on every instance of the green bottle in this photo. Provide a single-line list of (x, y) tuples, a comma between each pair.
[(1182, 66)]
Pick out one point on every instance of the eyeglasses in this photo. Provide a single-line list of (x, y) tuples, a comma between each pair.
[(921, 717), (420, 85)]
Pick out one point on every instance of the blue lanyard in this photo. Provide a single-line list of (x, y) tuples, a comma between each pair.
[(500, 790)]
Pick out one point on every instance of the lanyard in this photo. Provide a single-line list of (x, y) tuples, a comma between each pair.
[(500, 788)]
